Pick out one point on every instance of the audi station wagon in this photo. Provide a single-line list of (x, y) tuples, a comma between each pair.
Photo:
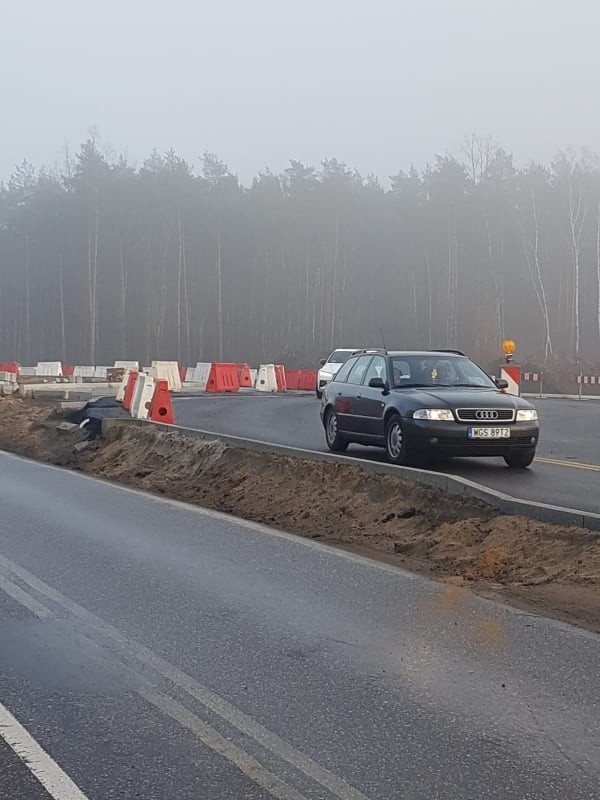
[(422, 404)]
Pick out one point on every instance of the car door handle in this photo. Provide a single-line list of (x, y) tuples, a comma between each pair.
[(358, 396)]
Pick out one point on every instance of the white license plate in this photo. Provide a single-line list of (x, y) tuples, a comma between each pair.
[(488, 433)]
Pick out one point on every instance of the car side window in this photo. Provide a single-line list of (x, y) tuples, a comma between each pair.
[(377, 369), (357, 372), (343, 371)]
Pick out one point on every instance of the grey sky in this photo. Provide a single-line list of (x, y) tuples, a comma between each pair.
[(377, 84)]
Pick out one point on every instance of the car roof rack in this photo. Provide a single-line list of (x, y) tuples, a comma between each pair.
[(453, 352), (370, 350)]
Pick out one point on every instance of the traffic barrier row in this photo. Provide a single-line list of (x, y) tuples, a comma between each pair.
[(303, 380)]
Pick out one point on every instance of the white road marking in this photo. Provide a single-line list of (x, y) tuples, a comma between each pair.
[(213, 739), (21, 596), (211, 700), (56, 782)]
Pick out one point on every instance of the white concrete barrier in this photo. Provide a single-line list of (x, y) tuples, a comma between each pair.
[(49, 369), (127, 365), (253, 376), (142, 396), (83, 372), (8, 377), (167, 371), (266, 380), (101, 373), (200, 374), (123, 385), (27, 372)]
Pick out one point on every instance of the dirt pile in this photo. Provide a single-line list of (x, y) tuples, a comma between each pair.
[(422, 528)]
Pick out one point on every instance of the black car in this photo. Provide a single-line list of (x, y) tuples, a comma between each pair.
[(422, 404)]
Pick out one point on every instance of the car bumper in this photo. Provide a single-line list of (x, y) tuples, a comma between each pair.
[(452, 439)]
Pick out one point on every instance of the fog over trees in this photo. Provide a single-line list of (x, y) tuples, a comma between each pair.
[(175, 260)]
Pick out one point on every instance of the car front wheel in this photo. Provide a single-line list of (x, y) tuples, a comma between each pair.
[(520, 460), (395, 441), (335, 441)]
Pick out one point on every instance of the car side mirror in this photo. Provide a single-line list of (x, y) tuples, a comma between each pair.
[(377, 383), (501, 383), (322, 362)]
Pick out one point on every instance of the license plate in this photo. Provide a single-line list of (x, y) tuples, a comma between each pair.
[(488, 433)]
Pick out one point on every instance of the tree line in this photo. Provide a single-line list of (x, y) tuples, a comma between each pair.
[(104, 259)]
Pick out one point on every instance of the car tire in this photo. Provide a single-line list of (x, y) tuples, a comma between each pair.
[(335, 441), (395, 441), (520, 459)]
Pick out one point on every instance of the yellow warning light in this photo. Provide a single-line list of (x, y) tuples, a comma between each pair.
[(508, 347)]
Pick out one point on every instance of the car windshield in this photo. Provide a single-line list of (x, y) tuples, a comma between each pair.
[(438, 370), (339, 356)]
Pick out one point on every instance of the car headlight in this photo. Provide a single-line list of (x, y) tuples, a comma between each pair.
[(527, 415), (434, 414)]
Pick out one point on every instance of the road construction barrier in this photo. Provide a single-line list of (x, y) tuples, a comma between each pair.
[(10, 366), (142, 396), (123, 385), (167, 371), (587, 380), (68, 371), (81, 372), (534, 377), (243, 376), (512, 375), (161, 408), (253, 376), (7, 377), (129, 389), (292, 379), (199, 374), (101, 373), (182, 373), (49, 369), (222, 378), (266, 380), (127, 365), (307, 382), (280, 378), (27, 372)]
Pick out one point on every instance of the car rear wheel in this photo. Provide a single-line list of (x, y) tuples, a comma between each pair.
[(335, 441), (395, 441), (521, 459)]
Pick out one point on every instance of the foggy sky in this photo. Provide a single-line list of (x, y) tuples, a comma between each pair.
[(379, 84)]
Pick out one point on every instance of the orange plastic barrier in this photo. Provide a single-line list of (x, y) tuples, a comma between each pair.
[(129, 390), (222, 378), (10, 366), (243, 376), (307, 381), (292, 379), (68, 371), (161, 408), (182, 373), (280, 377)]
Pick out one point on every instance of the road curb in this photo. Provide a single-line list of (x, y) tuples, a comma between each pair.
[(454, 484)]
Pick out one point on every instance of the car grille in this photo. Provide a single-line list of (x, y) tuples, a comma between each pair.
[(485, 415)]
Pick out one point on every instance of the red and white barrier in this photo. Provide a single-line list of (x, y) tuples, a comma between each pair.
[(588, 380), (512, 375)]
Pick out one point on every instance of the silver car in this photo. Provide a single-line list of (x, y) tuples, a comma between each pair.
[(330, 365)]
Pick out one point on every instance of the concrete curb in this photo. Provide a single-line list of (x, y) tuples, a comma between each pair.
[(453, 484)]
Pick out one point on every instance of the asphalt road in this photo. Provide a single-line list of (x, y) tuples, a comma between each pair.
[(567, 472), (153, 650)]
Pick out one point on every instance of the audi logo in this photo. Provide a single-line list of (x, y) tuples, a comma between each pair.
[(486, 414)]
